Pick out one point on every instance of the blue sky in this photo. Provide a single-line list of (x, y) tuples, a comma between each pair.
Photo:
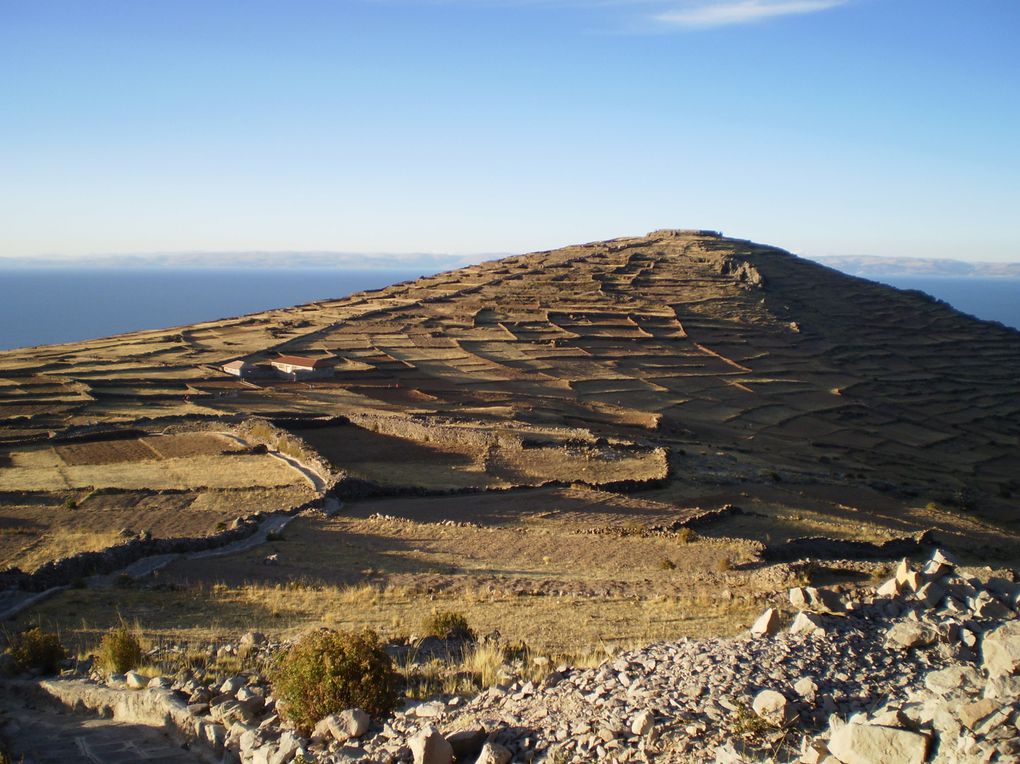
[(885, 127)]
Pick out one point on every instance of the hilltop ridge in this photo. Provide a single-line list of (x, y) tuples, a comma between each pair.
[(742, 359)]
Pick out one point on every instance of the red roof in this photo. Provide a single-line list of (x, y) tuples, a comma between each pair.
[(296, 360)]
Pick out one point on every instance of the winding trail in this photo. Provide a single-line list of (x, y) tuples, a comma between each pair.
[(14, 602)]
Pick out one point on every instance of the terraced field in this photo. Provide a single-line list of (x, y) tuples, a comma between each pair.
[(737, 357), (556, 432)]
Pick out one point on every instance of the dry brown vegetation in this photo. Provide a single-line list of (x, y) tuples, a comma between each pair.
[(690, 370)]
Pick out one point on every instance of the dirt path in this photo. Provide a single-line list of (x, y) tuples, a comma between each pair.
[(312, 476), (36, 732)]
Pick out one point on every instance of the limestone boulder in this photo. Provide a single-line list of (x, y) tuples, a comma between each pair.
[(908, 634), (429, 746), (136, 681), (493, 753), (1000, 650), (871, 744), (348, 724), (767, 624), (807, 623), (773, 707)]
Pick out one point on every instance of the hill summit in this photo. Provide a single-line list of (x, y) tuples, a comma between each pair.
[(741, 361)]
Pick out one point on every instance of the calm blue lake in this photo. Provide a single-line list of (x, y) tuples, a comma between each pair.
[(45, 306), (39, 307), (990, 299)]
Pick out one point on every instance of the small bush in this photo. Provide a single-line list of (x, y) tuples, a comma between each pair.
[(686, 536), (120, 650), (69, 504), (37, 649), (328, 671), (667, 564), (448, 624), (723, 564)]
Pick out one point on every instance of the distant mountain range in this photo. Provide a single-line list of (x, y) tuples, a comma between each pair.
[(867, 266), (426, 261), (872, 267)]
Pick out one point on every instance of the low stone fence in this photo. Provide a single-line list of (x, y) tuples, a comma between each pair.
[(822, 548), (68, 570)]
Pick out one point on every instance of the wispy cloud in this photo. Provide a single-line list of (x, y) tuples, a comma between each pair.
[(707, 14)]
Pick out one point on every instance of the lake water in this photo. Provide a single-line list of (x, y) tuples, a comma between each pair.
[(40, 307), (990, 299), (44, 306)]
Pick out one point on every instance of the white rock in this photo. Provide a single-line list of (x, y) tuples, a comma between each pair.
[(285, 749), (867, 744), (807, 623), (642, 723), (931, 594), (944, 557), (767, 623), (232, 685), (773, 707), (807, 688), (351, 723), (908, 634), (936, 570), (430, 747), (429, 710), (890, 588), (493, 753), (952, 679), (136, 681), (1000, 650)]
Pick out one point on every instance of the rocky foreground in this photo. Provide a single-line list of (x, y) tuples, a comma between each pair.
[(925, 667)]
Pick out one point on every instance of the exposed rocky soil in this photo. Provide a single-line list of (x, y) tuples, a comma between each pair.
[(924, 667)]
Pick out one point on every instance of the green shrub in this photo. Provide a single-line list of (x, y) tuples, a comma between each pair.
[(448, 624), (37, 649), (325, 672), (69, 504), (120, 650)]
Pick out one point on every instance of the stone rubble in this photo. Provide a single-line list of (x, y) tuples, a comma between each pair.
[(923, 667)]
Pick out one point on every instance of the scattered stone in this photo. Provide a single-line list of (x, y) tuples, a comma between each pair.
[(773, 707), (136, 681), (972, 713), (953, 679), (807, 623), (807, 688), (493, 753), (908, 634), (767, 624), (868, 744), (643, 723), (348, 724), (430, 747), (1000, 650)]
